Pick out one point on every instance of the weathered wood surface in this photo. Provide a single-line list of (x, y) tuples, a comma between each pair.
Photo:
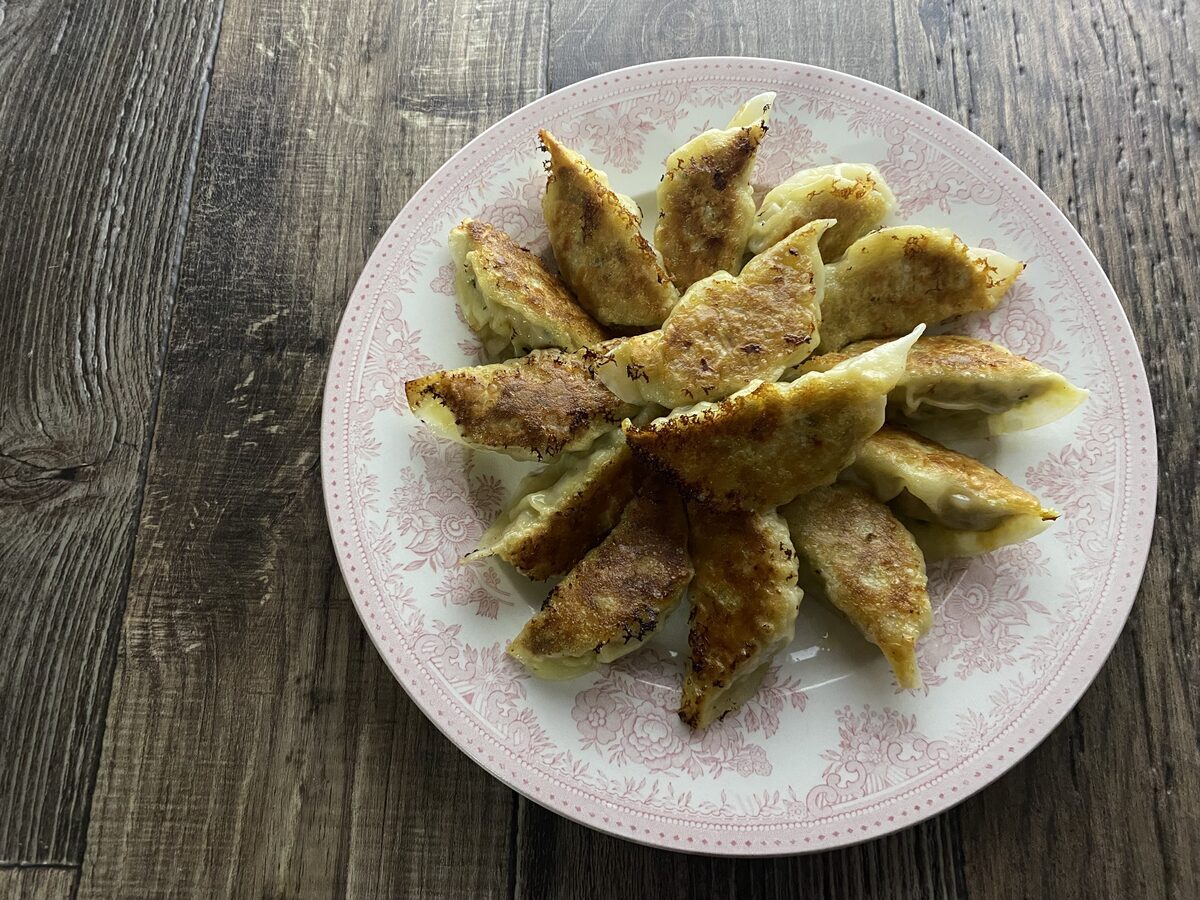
[(247, 703), (38, 882), (99, 108), (163, 534)]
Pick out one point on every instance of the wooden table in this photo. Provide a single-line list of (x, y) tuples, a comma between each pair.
[(188, 189)]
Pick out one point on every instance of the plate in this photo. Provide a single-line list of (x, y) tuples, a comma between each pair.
[(830, 751)]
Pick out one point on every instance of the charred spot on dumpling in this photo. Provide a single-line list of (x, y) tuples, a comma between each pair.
[(596, 238), (590, 212), (706, 201), (636, 372), (618, 594), (773, 441), (744, 602), (727, 331), (535, 406), (895, 278)]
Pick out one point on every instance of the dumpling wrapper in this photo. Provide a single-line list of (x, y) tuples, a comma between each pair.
[(868, 566), (618, 595), (764, 445), (744, 602), (597, 241), (727, 331), (510, 300), (705, 200), (953, 504), (966, 387), (854, 194), (534, 407), (895, 278), (563, 511)]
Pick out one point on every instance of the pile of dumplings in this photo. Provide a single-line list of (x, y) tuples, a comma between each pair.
[(744, 411)]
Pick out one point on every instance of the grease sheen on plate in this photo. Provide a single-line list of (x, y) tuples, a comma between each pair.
[(829, 752)]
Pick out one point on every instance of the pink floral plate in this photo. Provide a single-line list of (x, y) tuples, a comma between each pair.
[(830, 751)]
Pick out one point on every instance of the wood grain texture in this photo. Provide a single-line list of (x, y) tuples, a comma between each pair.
[(559, 859), (98, 110), (256, 744), (1097, 104), (588, 37), (38, 882), (1110, 139)]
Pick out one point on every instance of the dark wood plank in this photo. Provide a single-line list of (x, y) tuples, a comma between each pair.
[(1115, 790), (38, 882), (99, 106), (1098, 105), (256, 745), (426, 821), (588, 37), (560, 859)]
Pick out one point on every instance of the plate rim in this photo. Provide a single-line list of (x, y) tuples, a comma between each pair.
[(1069, 694)]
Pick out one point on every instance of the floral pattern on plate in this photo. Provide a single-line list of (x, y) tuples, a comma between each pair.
[(830, 751)]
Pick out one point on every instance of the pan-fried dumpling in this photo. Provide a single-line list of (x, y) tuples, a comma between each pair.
[(868, 566), (509, 299), (895, 278), (966, 387), (530, 408), (597, 242), (705, 201), (764, 445), (563, 511), (854, 194), (954, 505), (744, 601), (618, 595), (727, 331)]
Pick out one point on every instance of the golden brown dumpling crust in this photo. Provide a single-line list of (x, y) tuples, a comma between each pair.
[(565, 536), (599, 247), (869, 566), (764, 445), (744, 602), (896, 278), (537, 406), (938, 357), (706, 206), (892, 448), (622, 590), (964, 386), (855, 195), (726, 331), (762, 448), (515, 278), (843, 205), (953, 504)]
